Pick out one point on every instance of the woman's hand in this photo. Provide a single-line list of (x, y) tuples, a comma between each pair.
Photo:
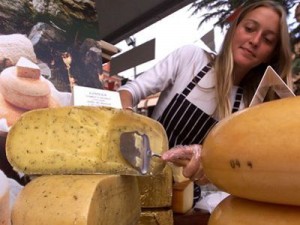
[(188, 157)]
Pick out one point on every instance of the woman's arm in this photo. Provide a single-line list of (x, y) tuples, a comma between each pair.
[(158, 78), (126, 99)]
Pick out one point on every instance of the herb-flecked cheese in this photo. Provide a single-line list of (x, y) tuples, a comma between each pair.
[(79, 140), (78, 199), (156, 190)]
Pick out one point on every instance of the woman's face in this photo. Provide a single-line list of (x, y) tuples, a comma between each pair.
[(255, 38)]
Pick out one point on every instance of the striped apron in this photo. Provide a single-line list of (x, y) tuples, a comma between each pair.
[(185, 124)]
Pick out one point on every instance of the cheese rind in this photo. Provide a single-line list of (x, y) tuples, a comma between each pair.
[(238, 211), (156, 190), (79, 140), (78, 199), (156, 217)]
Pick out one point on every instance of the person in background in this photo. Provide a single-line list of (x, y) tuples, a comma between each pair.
[(198, 88), (296, 55), (297, 13), (296, 66)]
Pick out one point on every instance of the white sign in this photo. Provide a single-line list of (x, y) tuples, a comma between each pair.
[(269, 80), (85, 96)]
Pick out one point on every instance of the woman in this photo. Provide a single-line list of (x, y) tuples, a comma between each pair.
[(198, 89)]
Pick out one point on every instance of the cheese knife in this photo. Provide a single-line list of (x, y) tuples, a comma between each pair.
[(135, 148)]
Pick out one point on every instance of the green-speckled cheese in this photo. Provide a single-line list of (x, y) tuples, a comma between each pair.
[(156, 190), (79, 140), (78, 199)]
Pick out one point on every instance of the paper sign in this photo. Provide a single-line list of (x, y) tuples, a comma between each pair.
[(272, 80), (85, 96)]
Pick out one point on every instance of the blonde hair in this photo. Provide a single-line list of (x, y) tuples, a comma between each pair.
[(223, 65)]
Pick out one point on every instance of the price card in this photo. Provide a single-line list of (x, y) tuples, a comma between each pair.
[(85, 96), (272, 80)]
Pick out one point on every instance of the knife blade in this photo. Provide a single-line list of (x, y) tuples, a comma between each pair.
[(135, 148)]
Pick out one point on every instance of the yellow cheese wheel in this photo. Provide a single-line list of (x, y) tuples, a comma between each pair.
[(238, 211), (79, 140), (78, 199), (255, 153)]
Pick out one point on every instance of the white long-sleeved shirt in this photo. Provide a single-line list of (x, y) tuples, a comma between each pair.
[(171, 75)]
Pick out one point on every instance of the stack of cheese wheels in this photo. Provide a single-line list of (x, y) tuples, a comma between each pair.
[(156, 198), (22, 88), (67, 147), (78, 199), (254, 154), (4, 200)]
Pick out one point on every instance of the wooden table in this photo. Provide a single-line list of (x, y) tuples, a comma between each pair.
[(193, 217)]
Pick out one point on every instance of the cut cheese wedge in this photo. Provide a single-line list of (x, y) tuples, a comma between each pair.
[(238, 211), (254, 153), (78, 199), (79, 140), (27, 69), (183, 196)]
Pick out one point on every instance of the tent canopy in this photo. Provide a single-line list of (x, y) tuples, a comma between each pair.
[(119, 19)]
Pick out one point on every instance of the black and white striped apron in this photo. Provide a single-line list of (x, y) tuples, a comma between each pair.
[(185, 123)]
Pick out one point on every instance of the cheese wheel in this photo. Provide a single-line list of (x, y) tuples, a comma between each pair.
[(78, 199), (238, 211), (254, 153), (4, 200), (79, 140), (9, 112), (14, 46), (23, 92)]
